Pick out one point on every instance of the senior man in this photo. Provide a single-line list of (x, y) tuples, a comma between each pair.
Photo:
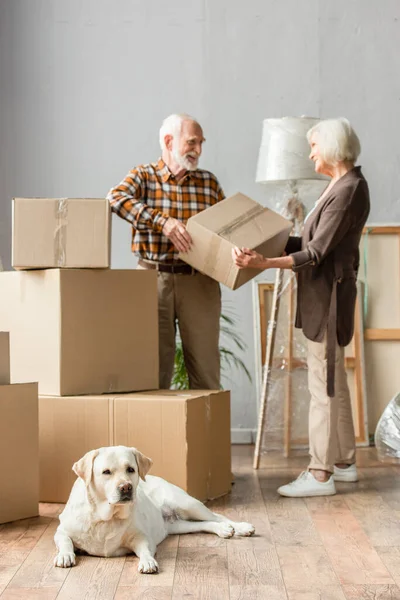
[(158, 199)]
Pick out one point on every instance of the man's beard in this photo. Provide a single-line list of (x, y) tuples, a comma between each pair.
[(183, 161)]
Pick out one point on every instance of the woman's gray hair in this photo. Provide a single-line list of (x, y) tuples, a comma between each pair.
[(337, 140), (172, 125)]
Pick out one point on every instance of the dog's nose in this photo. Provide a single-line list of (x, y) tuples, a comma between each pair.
[(125, 488)]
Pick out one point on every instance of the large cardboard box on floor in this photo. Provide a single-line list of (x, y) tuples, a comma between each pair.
[(4, 358), (19, 481), (186, 434), (82, 331), (236, 221), (61, 232)]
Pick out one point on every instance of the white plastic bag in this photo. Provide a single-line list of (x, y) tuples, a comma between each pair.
[(387, 433)]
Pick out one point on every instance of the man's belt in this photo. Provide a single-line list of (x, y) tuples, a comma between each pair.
[(174, 268)]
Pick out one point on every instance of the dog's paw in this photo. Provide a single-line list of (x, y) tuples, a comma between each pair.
[(148, 565), (65, 560), (244, 529), (224, 530)]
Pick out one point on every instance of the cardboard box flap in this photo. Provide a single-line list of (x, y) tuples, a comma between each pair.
[(95, 232), (220, 476), (38, 215)]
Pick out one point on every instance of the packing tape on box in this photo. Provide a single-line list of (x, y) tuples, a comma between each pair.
[(60, 233), (233, 225)]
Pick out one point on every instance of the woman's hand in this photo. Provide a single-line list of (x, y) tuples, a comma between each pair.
[(245, 257)]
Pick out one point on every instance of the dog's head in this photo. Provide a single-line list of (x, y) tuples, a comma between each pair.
[(113, 472)]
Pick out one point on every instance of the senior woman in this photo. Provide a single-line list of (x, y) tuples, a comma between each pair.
[(326, 260)]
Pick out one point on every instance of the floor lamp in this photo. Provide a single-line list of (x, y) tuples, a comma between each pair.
[(284, 166)]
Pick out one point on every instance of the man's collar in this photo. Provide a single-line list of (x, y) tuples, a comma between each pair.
[(166, 173), (163, 170)]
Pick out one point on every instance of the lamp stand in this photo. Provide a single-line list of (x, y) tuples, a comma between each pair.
[(294, 210)]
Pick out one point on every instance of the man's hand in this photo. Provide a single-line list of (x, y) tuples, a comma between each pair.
[(176, 231), (248, 258)]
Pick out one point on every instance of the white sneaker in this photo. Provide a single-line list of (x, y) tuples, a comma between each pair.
[(306, 485), (348, 474)]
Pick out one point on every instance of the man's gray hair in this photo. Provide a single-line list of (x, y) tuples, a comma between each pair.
[(337, 140), (172, 125)]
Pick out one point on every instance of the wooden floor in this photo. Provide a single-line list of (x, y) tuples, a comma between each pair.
[(343, 547)]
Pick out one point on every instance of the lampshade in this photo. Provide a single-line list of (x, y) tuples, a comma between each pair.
[(284, 151)]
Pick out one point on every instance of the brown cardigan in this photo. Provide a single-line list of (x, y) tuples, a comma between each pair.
[(326, 259)]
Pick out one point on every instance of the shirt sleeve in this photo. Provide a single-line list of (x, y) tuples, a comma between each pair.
[(126, 201), (335, 222)]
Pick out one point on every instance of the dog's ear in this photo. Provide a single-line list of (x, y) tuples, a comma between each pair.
[(84, 467), (144, 463)]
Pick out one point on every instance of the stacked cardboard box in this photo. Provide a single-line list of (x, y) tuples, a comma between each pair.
[(61, 232), (89, 336), (19, 482), (77, 326), (82, 331)]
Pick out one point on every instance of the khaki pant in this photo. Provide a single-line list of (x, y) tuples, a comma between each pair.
[(331, 429), (194, 302)]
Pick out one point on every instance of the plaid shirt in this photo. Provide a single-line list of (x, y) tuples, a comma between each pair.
[(150, 194)]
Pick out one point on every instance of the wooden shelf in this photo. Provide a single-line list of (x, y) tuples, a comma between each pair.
[(298, 363), (381, 229), (382, 334)]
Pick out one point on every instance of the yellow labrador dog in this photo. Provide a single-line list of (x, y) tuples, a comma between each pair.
[(114, 509)]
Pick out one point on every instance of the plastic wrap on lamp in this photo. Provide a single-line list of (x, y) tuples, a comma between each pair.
[(387, 433), (284, 150)]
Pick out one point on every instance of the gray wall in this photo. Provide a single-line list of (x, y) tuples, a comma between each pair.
[(85, 84)]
